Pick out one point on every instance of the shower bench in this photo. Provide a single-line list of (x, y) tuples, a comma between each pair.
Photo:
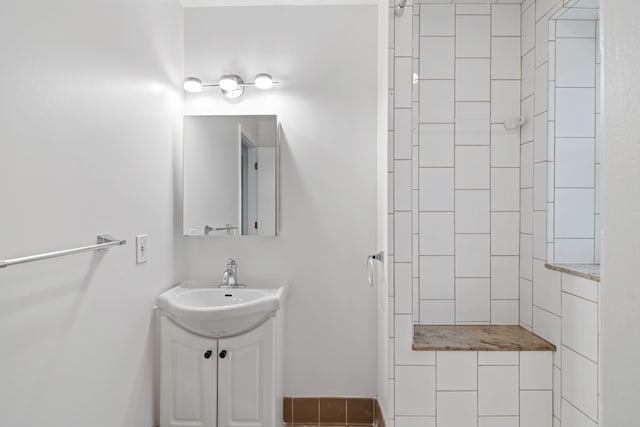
[(476, 376)]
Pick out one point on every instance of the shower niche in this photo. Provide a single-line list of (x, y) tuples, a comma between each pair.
[(574, 144)]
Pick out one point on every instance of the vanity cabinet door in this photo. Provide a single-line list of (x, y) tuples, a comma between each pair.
[(188, 370), (246, 378)]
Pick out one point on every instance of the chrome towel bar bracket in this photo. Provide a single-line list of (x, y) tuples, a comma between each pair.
[(103, 241)]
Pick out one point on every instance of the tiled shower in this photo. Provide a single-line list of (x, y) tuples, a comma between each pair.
[(469, 205)]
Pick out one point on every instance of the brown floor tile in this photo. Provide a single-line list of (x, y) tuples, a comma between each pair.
[(306, 411), (333, 411), (287, 406), (360, 411)]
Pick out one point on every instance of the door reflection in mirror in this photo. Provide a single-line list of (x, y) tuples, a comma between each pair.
[(230, 175)]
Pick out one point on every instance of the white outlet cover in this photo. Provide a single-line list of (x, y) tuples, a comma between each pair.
[(141, 248)]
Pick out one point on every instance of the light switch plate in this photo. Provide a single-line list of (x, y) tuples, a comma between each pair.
[(141, 248)]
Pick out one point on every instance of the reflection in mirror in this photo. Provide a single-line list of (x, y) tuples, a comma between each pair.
[(230, 175), (574, 145)]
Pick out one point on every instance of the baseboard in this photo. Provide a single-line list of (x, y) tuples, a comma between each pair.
[(333, 411)]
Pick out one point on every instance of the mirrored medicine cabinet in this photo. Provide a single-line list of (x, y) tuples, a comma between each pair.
[(230, 176)]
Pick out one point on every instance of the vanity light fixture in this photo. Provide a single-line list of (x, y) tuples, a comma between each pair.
[(231, 85)]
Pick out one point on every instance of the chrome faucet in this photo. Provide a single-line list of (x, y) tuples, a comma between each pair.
[(230, 276)]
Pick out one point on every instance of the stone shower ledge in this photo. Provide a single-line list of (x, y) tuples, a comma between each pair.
[(588, 271), (477, 338)]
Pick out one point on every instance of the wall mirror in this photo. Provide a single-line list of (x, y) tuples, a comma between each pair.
[(574, 145), (230, 176)]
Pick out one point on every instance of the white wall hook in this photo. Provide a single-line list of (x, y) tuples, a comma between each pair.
[(514, 122)]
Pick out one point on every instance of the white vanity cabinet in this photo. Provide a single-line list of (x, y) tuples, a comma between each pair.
[(223, 382)]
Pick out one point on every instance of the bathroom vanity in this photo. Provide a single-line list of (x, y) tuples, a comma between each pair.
[(221, 356)]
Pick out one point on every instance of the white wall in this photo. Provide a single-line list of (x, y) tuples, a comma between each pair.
[(384, 349), (325, 58), (88, 114), (621, 210)]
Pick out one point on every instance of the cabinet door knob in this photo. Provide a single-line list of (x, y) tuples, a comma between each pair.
[(223, 354), (207, 354)]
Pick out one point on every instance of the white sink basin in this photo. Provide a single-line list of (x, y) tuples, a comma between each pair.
[(205, 309)]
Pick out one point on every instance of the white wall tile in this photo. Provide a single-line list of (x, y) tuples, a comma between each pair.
[(541, 89), (436, 101), (436, 233), (539, 186), (402, 136), (505, 20), (505, 58), (402, 185), (473, 79), (472, 255), (572, 417), (526, 211), (542, 38), (536, 409), (437, 312), (414, 422), (580, 286), (402, 236), (436, 145), (505, 312), (575, 160), (472, 211), (557, 391), (436, 189), (540, 235), (526, 110), (505, 189), (498, 390), (499, 358), (526, 256), (473, 300), (526, 301), (436, 57), (504, 277), (575, 62), (575, 112), (574, 213), (580, 382), (505, 233), (505, 100), (473, 9), (437, 277), (580, 325), (536, 370), (457, 409), (402, 291), (574, 251), (402, 83), (541, 132), (403, 30), (498, 422), (571, 28), (437, 20), (505, 147), (473, 36), (528, 72), (472, 123), (457, 370), (415, 390), (403, 342), (549, 327), (472, 168), (528, 29)]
